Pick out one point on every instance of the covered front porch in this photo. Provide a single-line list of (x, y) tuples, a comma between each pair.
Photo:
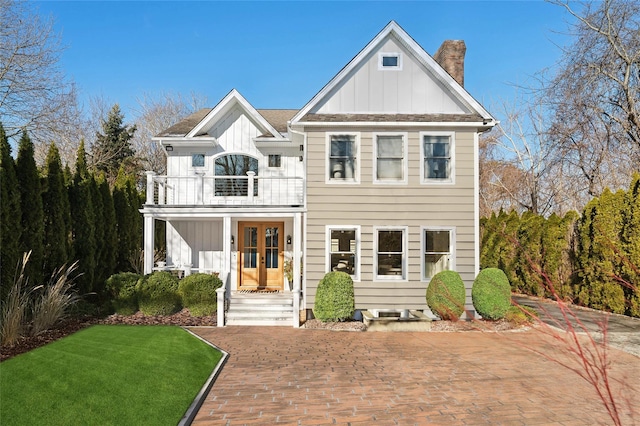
[(251, 251)]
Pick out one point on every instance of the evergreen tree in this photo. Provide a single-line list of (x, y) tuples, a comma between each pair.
[(31, 207), (600, 258), (83, 223), (126, 202), (112, 147), (55, 204), (631, 244), (9, 216), (558, 252), (529, 257), (109, 235)]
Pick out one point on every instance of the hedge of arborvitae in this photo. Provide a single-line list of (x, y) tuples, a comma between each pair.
[(592, 259), (64, 216)]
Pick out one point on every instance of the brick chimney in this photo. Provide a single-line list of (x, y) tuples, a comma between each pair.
[(450, 56)]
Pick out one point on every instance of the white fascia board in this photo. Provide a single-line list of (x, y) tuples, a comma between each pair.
[(272, 140), (400, 124), (199, 213), (420, 54), (234, 98), (185, 141)]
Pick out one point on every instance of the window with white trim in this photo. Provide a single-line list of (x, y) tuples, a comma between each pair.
[(389, 61), (343, 158), (391, 259), (197, 160), (437, 246), (437, 157), (275, 160), (390, 160), (343, 249)]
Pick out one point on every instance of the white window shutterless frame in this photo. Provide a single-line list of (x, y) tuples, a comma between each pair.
[(390, 158)]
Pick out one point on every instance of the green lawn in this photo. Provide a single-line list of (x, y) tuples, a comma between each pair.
[(107, 375)]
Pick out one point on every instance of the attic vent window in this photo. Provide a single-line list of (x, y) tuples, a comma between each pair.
[(389, 61)]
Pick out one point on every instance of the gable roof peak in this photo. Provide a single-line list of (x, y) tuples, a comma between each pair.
[(428, 62)]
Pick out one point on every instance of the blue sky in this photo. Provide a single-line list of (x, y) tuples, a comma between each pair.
[(280, 54)]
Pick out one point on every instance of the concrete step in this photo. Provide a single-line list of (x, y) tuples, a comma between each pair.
[(262, 300), (260, 309)]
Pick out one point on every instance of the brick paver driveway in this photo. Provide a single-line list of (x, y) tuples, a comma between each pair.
[(280, 375)]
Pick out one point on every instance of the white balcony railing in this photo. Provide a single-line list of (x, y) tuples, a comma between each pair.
[(203, 190)]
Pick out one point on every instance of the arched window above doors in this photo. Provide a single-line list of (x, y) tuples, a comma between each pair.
[(230, 165)]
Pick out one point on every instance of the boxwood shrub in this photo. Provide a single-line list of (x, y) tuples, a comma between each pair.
[(122, 290), (158, 294), (446, 295), (335, 300), (491, 293), (198, 292)]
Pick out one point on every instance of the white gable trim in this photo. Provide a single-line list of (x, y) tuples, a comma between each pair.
[(234, 98), (423, 57)]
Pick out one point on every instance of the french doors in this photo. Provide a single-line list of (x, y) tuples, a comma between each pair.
[(261, 255)]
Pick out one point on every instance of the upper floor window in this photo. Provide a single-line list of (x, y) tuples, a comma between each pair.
[(389, 61), (235, 165), (343, 158), (437, 157), (390, 158), (197, 160), (275, 160)]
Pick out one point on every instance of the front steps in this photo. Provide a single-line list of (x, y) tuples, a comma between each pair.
[(260, 309)]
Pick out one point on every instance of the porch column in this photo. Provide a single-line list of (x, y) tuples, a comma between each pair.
[(150, 192), (297, 246), (149, 243), (226, 268)]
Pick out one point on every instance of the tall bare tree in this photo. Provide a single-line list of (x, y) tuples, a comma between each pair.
[(595, 96), (35, 95), (155, 114)]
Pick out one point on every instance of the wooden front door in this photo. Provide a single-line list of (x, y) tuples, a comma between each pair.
[(261, 255)]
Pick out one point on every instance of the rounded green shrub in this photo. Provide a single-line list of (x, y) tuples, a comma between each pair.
[(158, 294), (335, 300), (491, 293), (198, 292), (122, 290), (446, 295)]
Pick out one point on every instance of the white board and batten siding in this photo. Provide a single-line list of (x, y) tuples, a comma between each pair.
[(235, 134), (196, 243), (410, 89), (414, 205)]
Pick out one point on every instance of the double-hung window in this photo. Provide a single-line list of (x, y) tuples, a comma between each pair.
[(437, 157), (390, 162), (391, 259), (343, 250), (438, 251), (343, 158)]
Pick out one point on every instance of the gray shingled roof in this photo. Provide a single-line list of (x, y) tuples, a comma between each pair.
[(276, 117), (184, 126), (419, 118)]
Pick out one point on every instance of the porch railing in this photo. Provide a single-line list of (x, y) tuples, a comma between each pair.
[(250, 190)]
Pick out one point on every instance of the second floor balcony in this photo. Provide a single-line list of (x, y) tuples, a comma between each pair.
[(201, 190)]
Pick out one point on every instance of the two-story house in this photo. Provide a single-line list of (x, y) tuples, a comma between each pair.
[(376, 176)]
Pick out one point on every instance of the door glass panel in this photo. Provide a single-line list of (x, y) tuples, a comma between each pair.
[(271, 247), (250, 247)]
